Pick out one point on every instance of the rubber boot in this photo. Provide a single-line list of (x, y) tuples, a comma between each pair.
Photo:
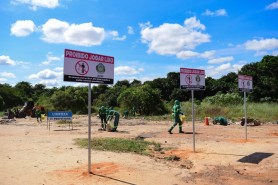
[(180, 130), (170, 130)]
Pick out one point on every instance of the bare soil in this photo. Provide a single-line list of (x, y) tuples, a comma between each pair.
[(33, 155)]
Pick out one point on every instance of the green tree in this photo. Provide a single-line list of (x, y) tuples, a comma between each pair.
[(98, 90), (211, 87), (122, 83), (146, 100), (227, 83), (38, 90), (25, 90), (109, 98), (136, 83), (1, 103), (265, 78), (10, 96), (71, 99)]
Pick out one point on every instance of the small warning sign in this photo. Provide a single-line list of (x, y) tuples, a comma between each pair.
[(245, 83), (192, 79), (86, 67)]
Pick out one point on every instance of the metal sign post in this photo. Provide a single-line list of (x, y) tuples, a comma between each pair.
[(89, 68), (89, 128), (245, 84), (193, 119), (192, 79), (245, 116)]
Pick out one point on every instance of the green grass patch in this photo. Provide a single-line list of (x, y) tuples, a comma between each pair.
[(172, 158), (266, 112), (120, 145), (62, 122)]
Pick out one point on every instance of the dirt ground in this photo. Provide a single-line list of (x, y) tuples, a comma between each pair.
[(30, 154)]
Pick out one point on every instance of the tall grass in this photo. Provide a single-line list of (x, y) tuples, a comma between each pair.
[(266, 112)]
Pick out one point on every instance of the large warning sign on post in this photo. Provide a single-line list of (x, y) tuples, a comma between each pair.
[(88, 67), (192, 79), (245, 83)]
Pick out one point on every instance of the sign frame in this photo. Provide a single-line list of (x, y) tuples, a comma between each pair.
[(59, 115), (192, 79), (87, 67), (244, 79)]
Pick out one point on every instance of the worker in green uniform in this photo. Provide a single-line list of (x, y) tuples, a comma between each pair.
[(176, 111), (125, 115), (221, 120), (113, 114), (133, 111), (102, 116)]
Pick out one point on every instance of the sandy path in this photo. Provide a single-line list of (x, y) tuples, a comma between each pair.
[(30, 154)]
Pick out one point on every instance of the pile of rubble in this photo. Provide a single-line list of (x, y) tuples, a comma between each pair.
[(250, 121)]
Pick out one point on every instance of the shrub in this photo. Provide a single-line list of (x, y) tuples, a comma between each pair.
[(224, 99)]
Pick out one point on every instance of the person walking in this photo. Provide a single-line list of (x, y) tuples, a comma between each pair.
[(38, 113), (102, 116), (176, 111)]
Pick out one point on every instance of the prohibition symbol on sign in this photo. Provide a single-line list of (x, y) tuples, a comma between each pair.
[(82, 67), (188, 79)]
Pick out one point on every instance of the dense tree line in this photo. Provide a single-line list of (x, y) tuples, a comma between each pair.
[(148, 98)]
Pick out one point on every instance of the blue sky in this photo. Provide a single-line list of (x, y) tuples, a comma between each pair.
[(148, 38)]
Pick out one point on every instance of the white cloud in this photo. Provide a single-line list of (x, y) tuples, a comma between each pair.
[(59, 69), (191, 54), (187, 54), (221, 60), (6, 60), (50, 59), (171, 39), (237, 67), (223, 69), (219, 12), (22, 28), (130, 30), (46, 74), (272, 6), (193, 24), (3, 80), (145, 25), (48, 77), (261, 53), (51, 83), (34, 4), (208, 54), (127, 70), (7, 75), (275, 53), (263, 44), (85, 34), (115, 35)]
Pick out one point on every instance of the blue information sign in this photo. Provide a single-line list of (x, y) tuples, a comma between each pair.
[(59, 115)]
